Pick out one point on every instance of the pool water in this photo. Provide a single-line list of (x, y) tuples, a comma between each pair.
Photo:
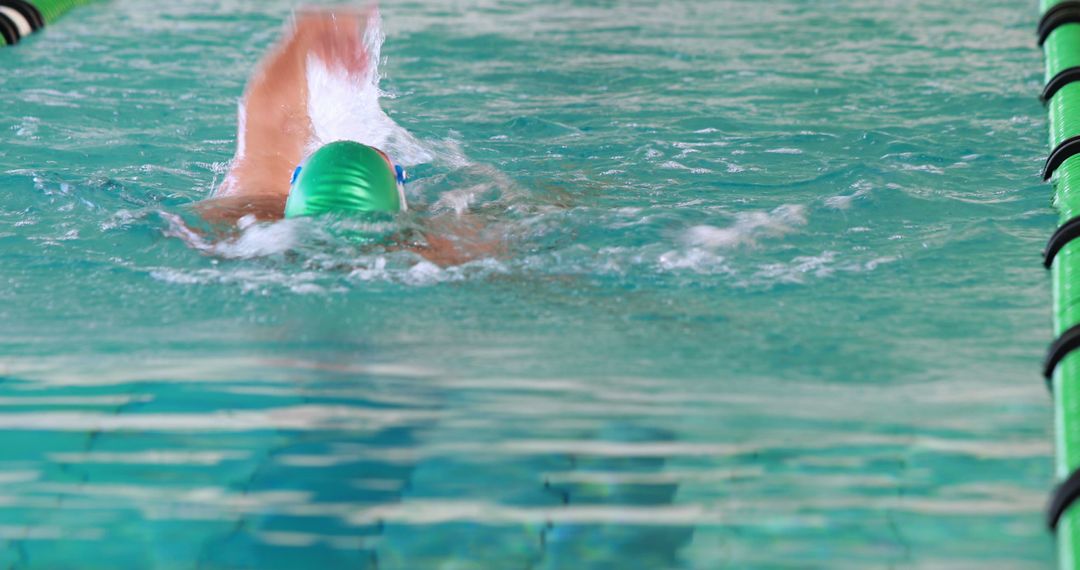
[(769, 296)]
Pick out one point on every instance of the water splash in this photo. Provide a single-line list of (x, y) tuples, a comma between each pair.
[(345, 106), (748, 228)]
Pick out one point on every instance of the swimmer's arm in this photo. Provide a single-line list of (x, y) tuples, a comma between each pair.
[(229, 209), (274, 124), (456, 239)]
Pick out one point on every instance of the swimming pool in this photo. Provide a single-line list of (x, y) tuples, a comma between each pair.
[(772, 296)]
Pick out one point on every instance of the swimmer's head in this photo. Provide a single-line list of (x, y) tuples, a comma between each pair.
[(346, 177)]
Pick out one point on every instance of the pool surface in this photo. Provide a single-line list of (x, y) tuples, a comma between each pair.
[(770, 296)]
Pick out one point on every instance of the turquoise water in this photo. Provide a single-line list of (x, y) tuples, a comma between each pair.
[(771, 296)]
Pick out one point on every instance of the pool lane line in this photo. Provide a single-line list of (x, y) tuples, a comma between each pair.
[(21, 18), (1059, 35)]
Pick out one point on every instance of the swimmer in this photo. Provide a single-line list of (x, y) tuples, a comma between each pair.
[(282, 169)]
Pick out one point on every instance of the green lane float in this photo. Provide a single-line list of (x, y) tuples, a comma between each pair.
[(20, 18), (1059, 36)]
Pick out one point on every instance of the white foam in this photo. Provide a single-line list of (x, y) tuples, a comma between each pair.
[(425, 273), (673, 165), (241, 122), (376, 271), (748, 227), (819, 266), (254, 240), (27, 127), (843, 202), (695, 259)]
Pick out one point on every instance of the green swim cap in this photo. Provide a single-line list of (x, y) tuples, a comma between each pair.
[(344, 177)]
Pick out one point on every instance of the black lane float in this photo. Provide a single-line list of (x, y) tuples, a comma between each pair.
[(20, 18)]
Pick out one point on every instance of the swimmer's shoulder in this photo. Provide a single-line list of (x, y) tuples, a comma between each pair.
[(229, 209)]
